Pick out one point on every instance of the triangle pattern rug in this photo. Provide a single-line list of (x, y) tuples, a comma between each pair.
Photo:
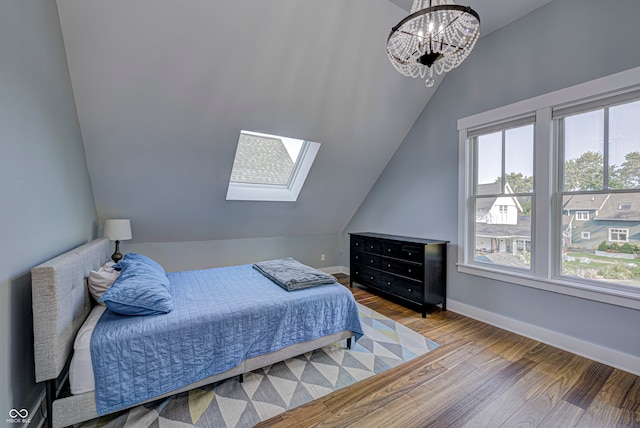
[(274, 389)]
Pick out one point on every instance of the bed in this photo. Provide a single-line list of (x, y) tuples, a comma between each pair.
[(62, 304)]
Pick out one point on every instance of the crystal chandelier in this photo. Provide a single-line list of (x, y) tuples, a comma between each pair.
[(437, 35)]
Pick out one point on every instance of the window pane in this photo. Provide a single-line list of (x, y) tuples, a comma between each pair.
[(584, 151), (624, 146), (265, 159), (605, 245), (519, 159), (489, 171), (503, 231)]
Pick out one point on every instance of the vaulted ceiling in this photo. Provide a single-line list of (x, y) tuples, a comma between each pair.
[(163, 88)]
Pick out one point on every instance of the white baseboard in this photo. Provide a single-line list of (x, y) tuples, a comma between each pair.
[(332, 270), (616, 359)]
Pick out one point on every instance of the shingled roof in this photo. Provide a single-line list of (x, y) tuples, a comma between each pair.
[(585, 202), (620, 207), (261, 160)]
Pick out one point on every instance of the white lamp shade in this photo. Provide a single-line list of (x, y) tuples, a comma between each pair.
[(117, 229)]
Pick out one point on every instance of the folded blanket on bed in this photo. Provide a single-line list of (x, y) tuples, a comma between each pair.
[(292, 275)]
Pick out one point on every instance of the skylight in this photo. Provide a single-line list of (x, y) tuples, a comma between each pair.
[(270, 167)]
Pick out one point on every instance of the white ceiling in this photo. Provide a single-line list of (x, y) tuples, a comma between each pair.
[(163, 89)]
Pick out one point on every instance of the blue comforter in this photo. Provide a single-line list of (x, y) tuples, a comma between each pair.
[(221, 317)]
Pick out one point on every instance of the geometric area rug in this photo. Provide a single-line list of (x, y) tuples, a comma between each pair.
[(274, 389)]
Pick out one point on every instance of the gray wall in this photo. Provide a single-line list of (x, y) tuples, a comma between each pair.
[(175, 256), (556, 46), (47, 203)]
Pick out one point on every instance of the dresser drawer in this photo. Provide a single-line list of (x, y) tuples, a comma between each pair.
[(408, 269), (405, 251), (357, 243), (366, 276), (372, 246), (403, 288), (365, 259)]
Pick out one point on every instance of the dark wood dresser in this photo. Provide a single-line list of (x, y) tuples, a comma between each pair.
[(411, 269)]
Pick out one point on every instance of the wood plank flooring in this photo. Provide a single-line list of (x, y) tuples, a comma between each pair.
[(480, 376)]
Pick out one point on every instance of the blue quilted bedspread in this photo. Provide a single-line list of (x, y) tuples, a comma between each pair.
[(221, 317)]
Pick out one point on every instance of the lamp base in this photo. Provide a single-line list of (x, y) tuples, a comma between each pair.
[(117, 256)]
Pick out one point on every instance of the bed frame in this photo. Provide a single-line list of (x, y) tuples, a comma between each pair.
[(61, 303)]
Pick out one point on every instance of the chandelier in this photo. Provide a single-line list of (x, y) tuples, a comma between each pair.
[(437, 35)]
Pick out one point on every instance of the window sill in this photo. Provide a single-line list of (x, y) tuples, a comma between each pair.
[(611, 293)]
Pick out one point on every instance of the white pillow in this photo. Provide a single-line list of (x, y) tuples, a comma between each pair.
[(99, 281)]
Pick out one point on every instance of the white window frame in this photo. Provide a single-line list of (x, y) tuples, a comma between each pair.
[(546, 255), (585, 235), (582, 215), (618, 231)]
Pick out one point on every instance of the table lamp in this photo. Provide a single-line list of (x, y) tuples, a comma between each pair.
[(117, 230)]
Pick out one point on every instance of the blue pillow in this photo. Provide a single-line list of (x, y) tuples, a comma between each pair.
[(140, 258), (141, 289)]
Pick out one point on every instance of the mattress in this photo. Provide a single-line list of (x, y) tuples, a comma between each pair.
[(81, 370)]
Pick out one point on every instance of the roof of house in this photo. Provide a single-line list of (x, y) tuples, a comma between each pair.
[(520, 230), (620, 207), (495, 188), (585, 202), (261, 160)]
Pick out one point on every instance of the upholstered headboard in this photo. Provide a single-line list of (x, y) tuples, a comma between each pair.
[(61, 303)]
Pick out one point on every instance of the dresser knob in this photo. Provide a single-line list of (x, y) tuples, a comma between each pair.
[(388, 250), (388, 283), (371, 277), (388, 265), (372, 246), (410, 290), (371, 261), (409, 270), (409, 253)]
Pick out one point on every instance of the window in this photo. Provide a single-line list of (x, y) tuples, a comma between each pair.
[(269, 167), (549, 191), (582, 215), (618, 235), (599, 173), (503, 183)]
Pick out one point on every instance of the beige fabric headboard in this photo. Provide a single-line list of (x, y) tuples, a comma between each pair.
[(61, 303)]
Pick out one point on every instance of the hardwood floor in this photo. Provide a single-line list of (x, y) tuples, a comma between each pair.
[(480, 376)]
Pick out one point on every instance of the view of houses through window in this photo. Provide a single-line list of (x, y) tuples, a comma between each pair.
[(600, 197), (503, 197)]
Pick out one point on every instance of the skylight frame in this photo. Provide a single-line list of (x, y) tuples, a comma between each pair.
[(238, 191)]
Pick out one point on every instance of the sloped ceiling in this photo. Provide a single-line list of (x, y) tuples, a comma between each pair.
[(163, 88)]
